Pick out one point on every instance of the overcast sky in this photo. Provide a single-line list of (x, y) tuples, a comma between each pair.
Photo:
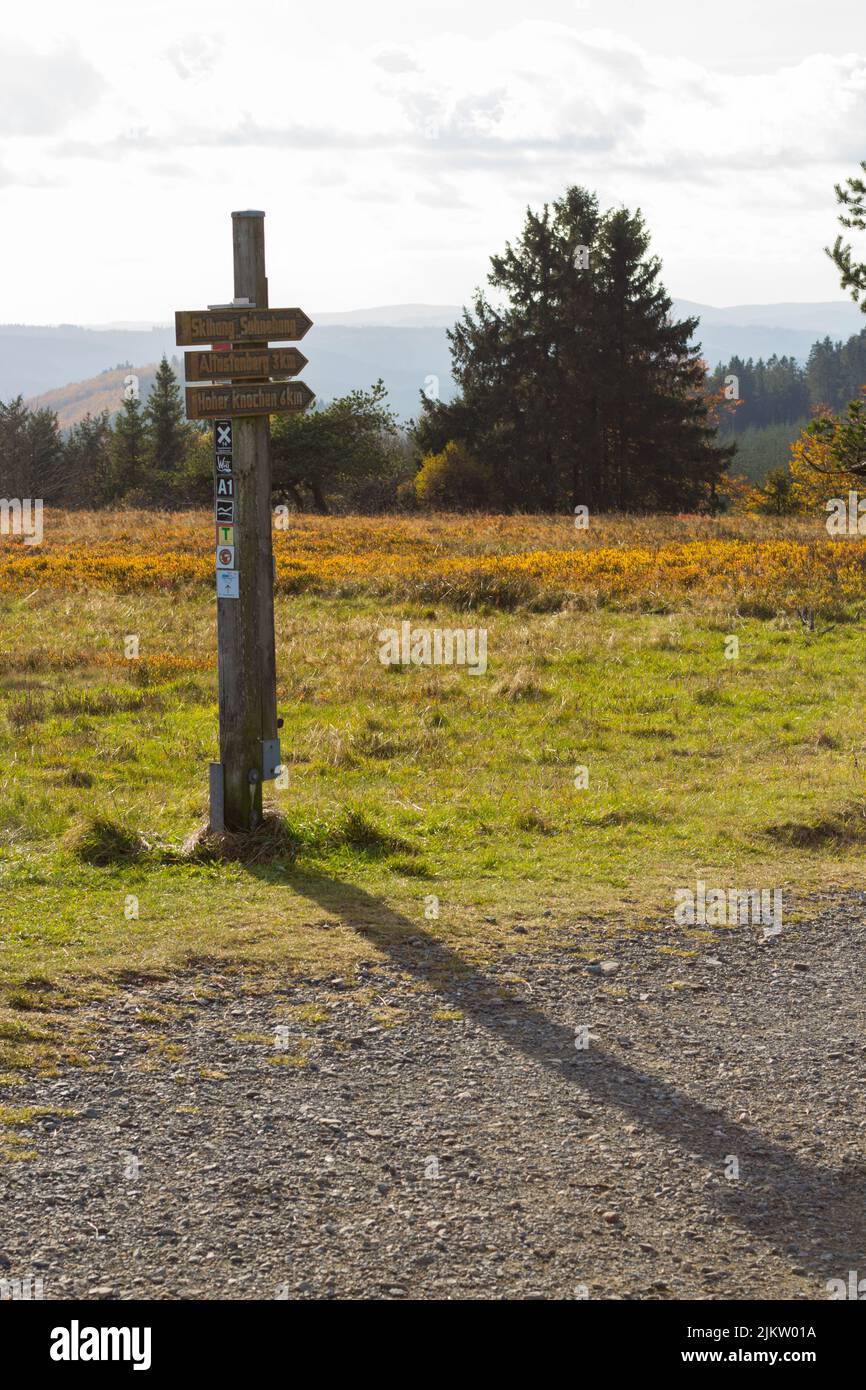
[(394, 146)]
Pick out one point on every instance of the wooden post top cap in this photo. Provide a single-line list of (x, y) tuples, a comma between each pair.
[(251, 212)]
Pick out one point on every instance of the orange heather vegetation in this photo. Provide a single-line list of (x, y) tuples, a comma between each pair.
[(757, 565)]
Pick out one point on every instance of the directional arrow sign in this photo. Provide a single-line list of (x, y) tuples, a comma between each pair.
[(242, 325), (215, 402), (243, 364)]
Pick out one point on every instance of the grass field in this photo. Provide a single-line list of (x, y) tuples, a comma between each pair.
[(606, 650)]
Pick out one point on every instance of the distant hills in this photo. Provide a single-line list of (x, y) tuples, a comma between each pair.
[(405, 344), (759, 330), (103, 392)]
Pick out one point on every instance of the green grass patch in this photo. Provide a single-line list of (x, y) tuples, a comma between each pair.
[(405, 785)]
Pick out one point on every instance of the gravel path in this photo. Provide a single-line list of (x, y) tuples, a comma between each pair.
[(267, 1151)]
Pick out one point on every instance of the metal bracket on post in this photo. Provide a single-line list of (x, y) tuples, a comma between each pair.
[(255, 777), (271, 761), (217, 798)]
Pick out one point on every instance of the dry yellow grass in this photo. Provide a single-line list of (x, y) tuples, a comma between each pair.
[(753, 564)]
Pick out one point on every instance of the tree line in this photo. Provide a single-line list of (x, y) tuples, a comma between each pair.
[(148, 455), (782, 391), (350, 454)]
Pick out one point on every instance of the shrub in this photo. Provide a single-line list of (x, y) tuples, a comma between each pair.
[(454, 480)]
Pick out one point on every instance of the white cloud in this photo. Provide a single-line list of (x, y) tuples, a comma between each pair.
[(41, 91), (193, 56), (402, 164), (395, 60), (537, 92)]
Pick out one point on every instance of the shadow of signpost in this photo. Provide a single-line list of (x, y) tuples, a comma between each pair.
[(780, 1197)]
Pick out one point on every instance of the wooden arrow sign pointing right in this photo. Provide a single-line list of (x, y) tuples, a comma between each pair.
[(241, 363), (270, 398), (241, 325)]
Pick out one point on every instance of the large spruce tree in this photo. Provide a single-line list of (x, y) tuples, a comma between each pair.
[(575, 384)]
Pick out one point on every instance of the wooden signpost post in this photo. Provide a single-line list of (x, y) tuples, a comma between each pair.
[(244, 562)]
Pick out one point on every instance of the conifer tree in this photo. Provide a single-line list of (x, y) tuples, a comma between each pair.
[(87, 457), (31, 452), (576, 387), (168, 435), (129, 446), (851, 196)]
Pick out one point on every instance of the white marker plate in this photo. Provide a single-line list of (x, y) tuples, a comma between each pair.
[(228, 584)]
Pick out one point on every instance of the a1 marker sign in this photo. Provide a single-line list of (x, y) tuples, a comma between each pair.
[(225, 557)]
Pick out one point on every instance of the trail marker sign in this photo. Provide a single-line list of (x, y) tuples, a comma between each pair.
[(227, 587), (251, 380)]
